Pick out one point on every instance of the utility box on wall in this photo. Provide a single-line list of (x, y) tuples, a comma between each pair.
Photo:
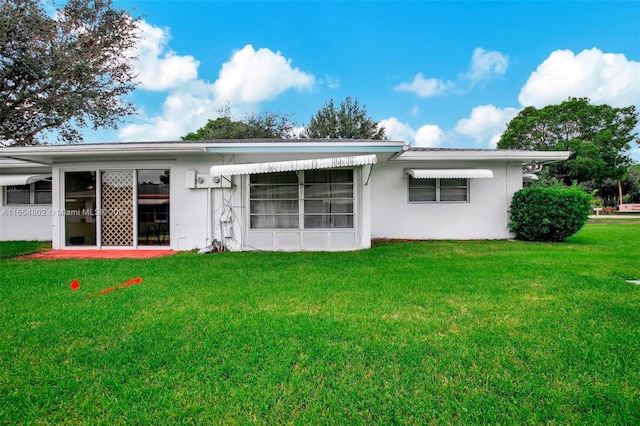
[(195, 180)]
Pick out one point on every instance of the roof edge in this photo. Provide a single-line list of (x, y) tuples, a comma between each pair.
[(482, 155)]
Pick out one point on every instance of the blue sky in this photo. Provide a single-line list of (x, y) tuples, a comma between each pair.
[(448, 74)]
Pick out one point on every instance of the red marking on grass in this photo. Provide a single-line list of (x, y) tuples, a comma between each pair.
[(110, 289), (74, 285), (131, 282)]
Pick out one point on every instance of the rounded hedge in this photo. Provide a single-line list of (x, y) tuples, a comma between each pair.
[(548, 213)]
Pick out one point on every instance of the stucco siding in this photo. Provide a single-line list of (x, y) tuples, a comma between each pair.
[(25, 222), (484, 216)]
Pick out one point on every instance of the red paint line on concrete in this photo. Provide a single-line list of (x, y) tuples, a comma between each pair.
[(98, 254)]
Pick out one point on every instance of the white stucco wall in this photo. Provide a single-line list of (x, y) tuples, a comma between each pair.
[(485, 216), (192, 224), (382, 205), (25, 222)]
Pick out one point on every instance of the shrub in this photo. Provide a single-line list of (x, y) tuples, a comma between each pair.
[(548, 213)]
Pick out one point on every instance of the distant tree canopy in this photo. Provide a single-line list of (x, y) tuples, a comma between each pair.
[(348, 121), (63, 72), (267, 125), (599, 137), (608, 192)]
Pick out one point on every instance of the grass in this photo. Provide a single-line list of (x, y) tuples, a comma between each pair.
[(627, 219), (427, 332), (10, 249)]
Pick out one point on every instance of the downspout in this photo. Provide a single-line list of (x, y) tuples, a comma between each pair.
[(210, 224), (506, 195), (212, 213)]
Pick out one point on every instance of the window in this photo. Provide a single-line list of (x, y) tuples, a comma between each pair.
[(314, 199), (438, 190), (32, 193)]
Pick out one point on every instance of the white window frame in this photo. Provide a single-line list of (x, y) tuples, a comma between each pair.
[(32, 194), (438, 187)]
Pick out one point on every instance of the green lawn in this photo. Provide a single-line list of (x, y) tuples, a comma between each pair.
[(428, 332)]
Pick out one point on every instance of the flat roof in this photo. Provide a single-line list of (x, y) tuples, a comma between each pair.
[(457, 154), (162, 149), (401, 151)]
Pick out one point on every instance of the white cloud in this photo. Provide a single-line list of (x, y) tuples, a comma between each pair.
[(332, 82), (397, 131), (429, 135), (183, 111), (603, 77), (158, 67), (425, 87), (254, 76), (415, 110), (247, 79), (486, 124), (485, 63)]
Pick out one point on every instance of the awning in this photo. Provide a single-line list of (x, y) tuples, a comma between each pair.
[(8, 180), (288, 166), (450, 173)]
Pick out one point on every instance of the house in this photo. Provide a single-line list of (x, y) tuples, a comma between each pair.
[(257, 194)]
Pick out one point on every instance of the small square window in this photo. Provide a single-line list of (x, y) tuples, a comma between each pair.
[(438, 190), (31, 193)]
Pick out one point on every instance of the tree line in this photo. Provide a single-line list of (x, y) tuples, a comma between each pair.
[(599, 137), (349, 120)]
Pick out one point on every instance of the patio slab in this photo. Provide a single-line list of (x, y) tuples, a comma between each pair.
[(99, 254)]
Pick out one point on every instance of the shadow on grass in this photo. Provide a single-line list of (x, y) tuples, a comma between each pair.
[(9, 249)]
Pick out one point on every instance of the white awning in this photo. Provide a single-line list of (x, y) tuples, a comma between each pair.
[(8, 180), (288, 166), (450, 173)]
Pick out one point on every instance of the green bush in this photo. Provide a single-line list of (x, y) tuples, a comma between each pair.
[(548, 213)]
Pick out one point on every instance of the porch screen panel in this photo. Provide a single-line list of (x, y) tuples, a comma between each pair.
[(328, 199), (309, 199), (274, 201), (117, 208)]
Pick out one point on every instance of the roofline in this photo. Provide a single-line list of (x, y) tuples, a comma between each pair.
[(206, 146), (483, 155), (400, 150)]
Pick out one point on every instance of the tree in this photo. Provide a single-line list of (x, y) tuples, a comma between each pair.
[(267, 125), (60, 73), (598, 136), (350, 121)]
